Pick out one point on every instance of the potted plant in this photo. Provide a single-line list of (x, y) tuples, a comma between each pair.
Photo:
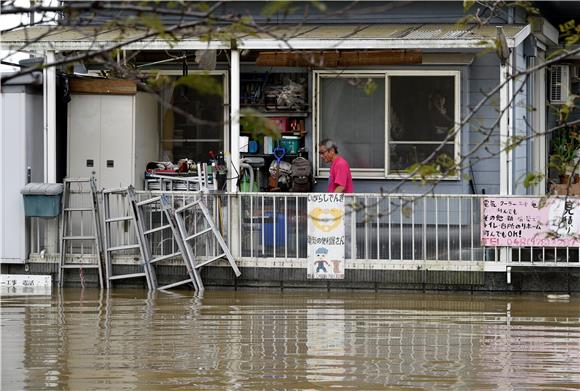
[(565, 152)]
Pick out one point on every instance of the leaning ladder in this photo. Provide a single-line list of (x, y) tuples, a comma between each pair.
[(145, 238), (121, 213), (188, 236), (72, 214)]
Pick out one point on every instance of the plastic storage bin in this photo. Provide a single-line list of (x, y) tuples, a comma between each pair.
[(269, 239), (42, 199), (290, 143)]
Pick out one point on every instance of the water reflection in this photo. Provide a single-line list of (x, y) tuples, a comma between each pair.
[(131, 339)]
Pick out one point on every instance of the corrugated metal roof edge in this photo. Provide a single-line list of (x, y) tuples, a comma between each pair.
[(411, 34)]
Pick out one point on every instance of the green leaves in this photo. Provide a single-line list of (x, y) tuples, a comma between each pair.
[(203, 83), (443, 165), (253, 121), (467, 4), (565, 146), (153, 21), (369, 87), (274, 7), (533, 178)]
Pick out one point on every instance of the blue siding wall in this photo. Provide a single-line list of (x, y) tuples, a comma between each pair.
[(483, 78)]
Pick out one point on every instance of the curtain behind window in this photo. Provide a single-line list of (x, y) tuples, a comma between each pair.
[(354, 119)]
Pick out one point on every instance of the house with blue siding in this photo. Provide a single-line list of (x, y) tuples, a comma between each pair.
[(399, 86)]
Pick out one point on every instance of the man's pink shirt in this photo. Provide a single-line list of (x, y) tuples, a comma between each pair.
[(340, 175)]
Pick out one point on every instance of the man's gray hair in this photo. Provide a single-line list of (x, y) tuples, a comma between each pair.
[(328, 144)]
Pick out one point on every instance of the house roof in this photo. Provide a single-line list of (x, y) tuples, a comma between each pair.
[(373, 36)]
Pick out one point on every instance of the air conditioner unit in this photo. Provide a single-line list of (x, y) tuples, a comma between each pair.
[(559, 83)]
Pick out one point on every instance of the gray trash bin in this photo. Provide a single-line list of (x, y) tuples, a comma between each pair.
[(42, 199)]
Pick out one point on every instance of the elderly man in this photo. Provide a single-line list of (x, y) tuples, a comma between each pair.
[(340, 179)]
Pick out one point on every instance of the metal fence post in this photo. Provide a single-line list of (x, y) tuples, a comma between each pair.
[(234, 210)]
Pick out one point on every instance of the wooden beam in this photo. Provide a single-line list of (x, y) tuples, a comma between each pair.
[(103, 86), (338, 58)]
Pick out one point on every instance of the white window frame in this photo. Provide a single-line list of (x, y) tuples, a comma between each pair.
[(383, 173), (226, 95)]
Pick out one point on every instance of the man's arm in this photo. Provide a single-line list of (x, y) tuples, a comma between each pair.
[(339, 189)]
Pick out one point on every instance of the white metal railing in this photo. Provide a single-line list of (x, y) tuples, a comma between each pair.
[(381, 228)]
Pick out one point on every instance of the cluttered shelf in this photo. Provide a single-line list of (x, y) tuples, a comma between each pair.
[(275, 92)]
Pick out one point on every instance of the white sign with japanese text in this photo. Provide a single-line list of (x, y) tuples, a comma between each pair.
[(25, 284), (533, 222), (326, 236)]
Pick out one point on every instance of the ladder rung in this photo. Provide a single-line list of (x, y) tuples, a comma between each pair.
[(175, 284), (78, 209), (210, 260), (149, 201), (77, 179), (164, 257), (187, 206), (79, 237), (150, 231), (124, 247), (198, 234), (122, 276), (115, 191), (79, 266), (115, 219)]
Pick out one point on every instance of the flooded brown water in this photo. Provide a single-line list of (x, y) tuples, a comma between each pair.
[(131, 339)]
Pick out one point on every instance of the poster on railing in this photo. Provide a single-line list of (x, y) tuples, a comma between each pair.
[(530, 222), (326, 236)]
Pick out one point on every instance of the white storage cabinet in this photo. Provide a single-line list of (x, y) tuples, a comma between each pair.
[(112, 137)]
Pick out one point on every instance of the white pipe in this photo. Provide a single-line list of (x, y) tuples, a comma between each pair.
[(49, 107), (234, 170)]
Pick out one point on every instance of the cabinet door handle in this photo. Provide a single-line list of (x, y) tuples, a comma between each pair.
[(110, 163)]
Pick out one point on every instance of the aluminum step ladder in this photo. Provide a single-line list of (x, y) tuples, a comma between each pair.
[(145, 238), (188, 236), (116, 214), (73, 216), (185, 251)]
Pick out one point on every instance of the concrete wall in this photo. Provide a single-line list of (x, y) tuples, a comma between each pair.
[(523, 279)]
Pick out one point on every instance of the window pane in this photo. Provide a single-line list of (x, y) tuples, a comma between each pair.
[(182, 136), (354, 119), (422, 108), (404, 155)]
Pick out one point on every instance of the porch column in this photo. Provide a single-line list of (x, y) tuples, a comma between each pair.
[(234, 169), (505, 164), (49, 105)]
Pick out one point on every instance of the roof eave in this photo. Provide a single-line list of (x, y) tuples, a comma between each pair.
[(262, 44)]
